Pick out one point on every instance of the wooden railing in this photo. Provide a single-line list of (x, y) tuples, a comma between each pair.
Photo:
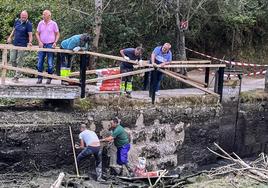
[(143, 67)]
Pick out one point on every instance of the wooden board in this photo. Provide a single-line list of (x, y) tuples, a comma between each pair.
[(57, 50), (188, 82), (31, 71), (117, 58), (4, 63), (119, 75), (146, 178), (191, 62), (194, 66), (187, 78)]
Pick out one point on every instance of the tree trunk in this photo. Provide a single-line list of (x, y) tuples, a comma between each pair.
[(97, 31), (180, 44)]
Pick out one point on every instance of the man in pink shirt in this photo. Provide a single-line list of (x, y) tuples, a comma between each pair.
[(47, 35)]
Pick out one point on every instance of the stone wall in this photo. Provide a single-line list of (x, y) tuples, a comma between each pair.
[(169, 134), (252, 129)]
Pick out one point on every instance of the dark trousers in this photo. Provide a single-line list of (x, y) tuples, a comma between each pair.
[(96, 151), (147, 80), (65, 60)]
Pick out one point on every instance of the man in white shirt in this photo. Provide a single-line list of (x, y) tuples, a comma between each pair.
[(90, 144)]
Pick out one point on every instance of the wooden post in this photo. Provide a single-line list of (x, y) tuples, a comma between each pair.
[(4, 63), (58, 64), (83, 67), (73, 146), (153, 85), (266, 82), (207, 76), (220, 81)]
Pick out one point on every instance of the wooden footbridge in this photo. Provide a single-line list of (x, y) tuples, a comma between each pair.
[(28, 89)]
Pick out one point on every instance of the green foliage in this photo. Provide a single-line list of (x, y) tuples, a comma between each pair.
[(214, 26)]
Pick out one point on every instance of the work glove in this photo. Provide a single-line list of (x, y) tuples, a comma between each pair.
[(76, 49), (155, 65), (140, 63), (126, 58)]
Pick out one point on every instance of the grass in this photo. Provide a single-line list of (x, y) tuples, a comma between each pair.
[(258, 95)]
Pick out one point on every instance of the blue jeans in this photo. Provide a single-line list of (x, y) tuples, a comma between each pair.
[(96, 151), (41, 60), (159, 77), (122, 154)]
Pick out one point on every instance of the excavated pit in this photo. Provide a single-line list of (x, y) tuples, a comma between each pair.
[(173, 134)]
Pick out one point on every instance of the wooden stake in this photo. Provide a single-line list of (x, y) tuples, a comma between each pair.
[(189, 82), (75, 161), (119, 75), (4, 63), (31, 71), (57, 183)]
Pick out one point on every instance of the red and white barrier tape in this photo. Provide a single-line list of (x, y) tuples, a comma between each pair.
[(228, 62), (248, 74)]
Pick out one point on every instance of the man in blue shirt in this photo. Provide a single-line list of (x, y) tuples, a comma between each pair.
[(75, 43), (22, 32), (160, 57), (128, 54)]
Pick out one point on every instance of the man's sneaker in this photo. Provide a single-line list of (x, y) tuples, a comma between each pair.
[(48, 81), (157, 93), (39, 81), (131, 174), (15, 80), (64, 83), (99, 179), (128, 94)]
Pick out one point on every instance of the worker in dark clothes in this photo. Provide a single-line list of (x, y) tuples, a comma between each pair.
[(128, 54), (121, 140), (90, 144)]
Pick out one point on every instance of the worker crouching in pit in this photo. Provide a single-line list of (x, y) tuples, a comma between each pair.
[(129, 54), (121, 141), (90, 144), (76, 43)]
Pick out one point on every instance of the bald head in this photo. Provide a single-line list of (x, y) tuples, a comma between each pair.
[(46, 15), (166, 47), (83, 127), (24, 15)]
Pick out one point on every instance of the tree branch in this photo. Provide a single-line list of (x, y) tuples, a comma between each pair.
[(82, 12)]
